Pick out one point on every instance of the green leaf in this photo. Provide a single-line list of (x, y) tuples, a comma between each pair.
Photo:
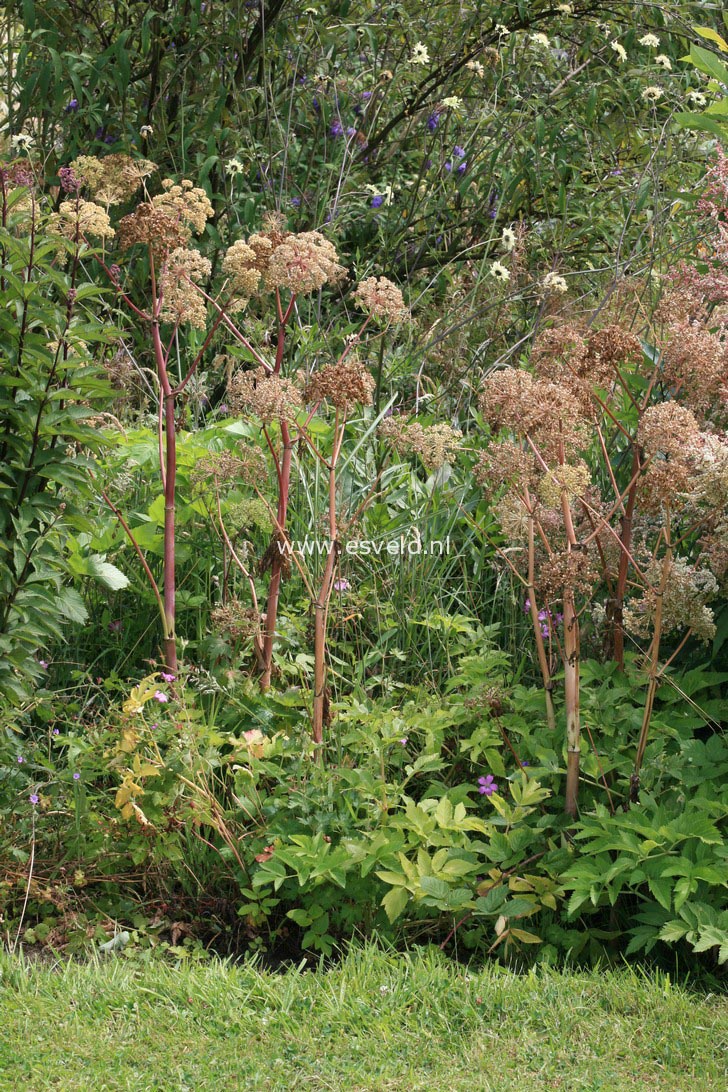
[(106, 573), (712, 36), (72, 606), (394, 902)]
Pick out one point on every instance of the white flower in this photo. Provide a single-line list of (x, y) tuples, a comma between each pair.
[(664, 62), (619, 50), (540, 40), (234, 166), (420, 54), (508, 239), (651, 41), (453, 102), (501, 31), (499, 272), (381, 191), (554, 282), (696, 98), (565, 9), (22, 142), (146, 131), (652, 94), (476, 67)]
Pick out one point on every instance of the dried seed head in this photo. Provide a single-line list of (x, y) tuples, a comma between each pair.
[(186, 203), (245, 466), (696, 362), (181, 302), (303, 263), (342, 384), (504, 463), (113, 179), (574, 481), (236, 619), (77, 218), (154, 227), (687, 590), (382, 299), (241, 265), (269, 397), (435, 444)]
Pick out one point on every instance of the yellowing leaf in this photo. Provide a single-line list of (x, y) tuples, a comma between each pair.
[(527, 938), (712, 36)]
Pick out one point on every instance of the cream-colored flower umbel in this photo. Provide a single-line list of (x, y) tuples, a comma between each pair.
[(420, 54), (619, 50), (452, 102), (652, 94), (696, 98), (651, 41), (664, 62), (500, 272), (540, 40), (554, 282)]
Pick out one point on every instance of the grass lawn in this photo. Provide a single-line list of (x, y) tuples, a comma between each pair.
[(378, 1021)]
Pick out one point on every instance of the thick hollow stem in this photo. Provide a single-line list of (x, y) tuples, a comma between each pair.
[(617, 606), (571, 701), (654, 655), (170, 476), (274, 588), (538, 636)]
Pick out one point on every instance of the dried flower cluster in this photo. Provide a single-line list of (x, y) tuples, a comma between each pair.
[(435, 444), (185, 202), (181, 301), (269, 397), (303, 263), (234, 618), (241, 265), (342, 384), (78, 218), (111, 180), (245, 466), (684, 590), (514, 401), (382, 299)]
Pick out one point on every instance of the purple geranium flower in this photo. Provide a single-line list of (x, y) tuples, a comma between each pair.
[(167, 676), (160, 695), (377, 200), (33, 798), (487, 785), (342, 584)]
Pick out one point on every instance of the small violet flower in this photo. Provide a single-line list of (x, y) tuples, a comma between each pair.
[(487, 785), (458, 152), (77, 777), (20, 758), (377, 200), (342, 584), (43, 664), (33, 798), (432, 121), (159, 695), (167, 677)]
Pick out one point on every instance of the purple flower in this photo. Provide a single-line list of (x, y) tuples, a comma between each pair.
[(296, 201), (336, 129), (315, 104), (20, 758), (76, 777), (33, 798), (428, 164), (153, 726), (527, 606), (458, 152), (160, 695), (559, 618), (366, 94), (377, 200), (404, 741), (544, 631), (56, 731), (72, 106), (487, 785), (432, 121), (351, 130), (342, 584), (115, 626), (167, 676), (462, 167), (43, 664), (448, 166), (543, 615)]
